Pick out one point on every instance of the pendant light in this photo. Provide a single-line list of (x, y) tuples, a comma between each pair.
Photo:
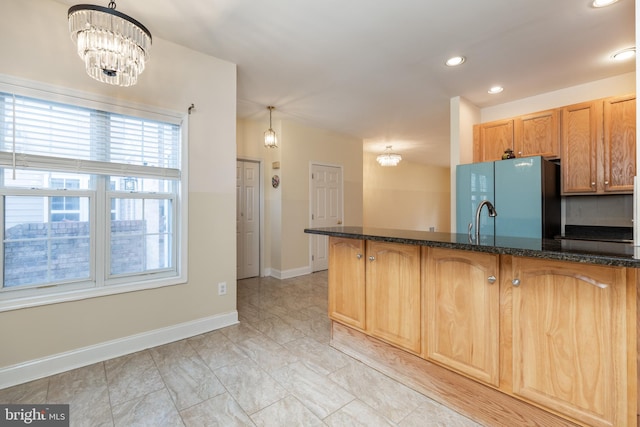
[(388, 158), (113, 46), (270, 138)]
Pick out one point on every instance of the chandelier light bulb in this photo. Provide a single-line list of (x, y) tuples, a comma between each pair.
[(388, 158)]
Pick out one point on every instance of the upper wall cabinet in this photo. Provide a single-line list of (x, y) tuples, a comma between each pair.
[(580, 134), (536, 134), (619, 143), (491, 139), (599, 146)]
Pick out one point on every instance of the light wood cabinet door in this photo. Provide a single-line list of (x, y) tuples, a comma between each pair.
[(580, 135), (619, 144), (569, 335), (462, 312), (491, 139), (538, 134), (347, 281), (393, 294)]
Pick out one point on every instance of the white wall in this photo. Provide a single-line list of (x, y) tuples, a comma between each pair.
[(463, 113), (84, 331), (613, 86)]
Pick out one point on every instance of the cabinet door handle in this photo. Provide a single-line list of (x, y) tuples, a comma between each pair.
[(593, 184), (606, 183), (516, 282), (372, 258), (359, 256), (491, 279)]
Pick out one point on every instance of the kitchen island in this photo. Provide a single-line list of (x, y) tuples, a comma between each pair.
[(509, 331)]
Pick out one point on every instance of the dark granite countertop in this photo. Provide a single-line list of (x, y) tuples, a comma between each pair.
[(592, 252)]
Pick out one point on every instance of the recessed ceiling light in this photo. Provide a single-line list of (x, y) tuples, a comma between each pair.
[(496, 89), (623, 54), (602, 3), (456, 60)]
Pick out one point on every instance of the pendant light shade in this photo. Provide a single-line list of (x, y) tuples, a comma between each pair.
[(388, 158), (113, 46), (270, 138)]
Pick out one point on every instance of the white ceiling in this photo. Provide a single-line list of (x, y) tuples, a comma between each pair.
[(375, 69)]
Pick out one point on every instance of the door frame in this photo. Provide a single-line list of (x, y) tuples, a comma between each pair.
[(260, 163), (333, 165)]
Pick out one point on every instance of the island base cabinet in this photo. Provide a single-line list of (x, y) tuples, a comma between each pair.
[(569, 327), (556, 336), (462, 303), (347, 281), (393, 294), (375, 288)]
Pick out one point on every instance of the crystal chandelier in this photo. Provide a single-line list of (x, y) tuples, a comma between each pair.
[(270, 138), (113, 46), (388, 158)]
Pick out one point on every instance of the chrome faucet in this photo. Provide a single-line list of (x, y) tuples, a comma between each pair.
[(492, 213)]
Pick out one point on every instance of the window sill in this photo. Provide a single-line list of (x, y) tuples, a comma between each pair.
[(18, 303)]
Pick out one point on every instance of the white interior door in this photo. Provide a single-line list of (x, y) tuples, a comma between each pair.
[(326, 209), (248, 218)]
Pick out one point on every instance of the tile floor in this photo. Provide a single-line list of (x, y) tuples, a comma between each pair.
[(275, 368)]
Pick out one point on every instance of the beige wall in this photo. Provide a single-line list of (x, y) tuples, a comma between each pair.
[(175, 78), (409, 196), (287, 207)]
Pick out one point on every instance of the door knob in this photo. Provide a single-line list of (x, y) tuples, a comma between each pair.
[(359, 256), (372, 258), (516, 282), (491, 279)]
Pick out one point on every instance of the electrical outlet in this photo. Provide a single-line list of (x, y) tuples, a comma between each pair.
[(222, 288)]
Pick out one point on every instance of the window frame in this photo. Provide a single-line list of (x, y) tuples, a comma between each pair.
[(102, 284), (36, 289), (115, 194)]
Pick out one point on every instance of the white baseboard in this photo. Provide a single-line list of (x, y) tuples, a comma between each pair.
[(56, 363), (288, 274)]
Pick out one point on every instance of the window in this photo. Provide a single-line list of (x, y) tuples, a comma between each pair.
[(142, 229), (65, 208), (90, 199)]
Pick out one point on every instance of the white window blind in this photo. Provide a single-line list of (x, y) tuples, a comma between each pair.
[(54, 136)]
